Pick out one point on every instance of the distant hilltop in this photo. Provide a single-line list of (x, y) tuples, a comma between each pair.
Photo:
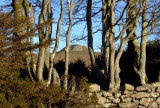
[(77, 52), (76, 48)]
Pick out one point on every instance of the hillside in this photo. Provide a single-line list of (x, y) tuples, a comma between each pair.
[(76, 52)]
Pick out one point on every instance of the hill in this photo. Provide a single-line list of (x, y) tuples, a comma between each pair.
[(76, 52)]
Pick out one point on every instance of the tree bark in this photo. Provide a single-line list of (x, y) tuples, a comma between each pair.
[(65, 82), (143, 75), (133, 45), (106, 16), (111, 73), (21, 11), (114, 69), (49, 26), (117, 67), (71, 6), (32, 71), (43, 38), (56, 79), (112, 41), (90, 44), (141, 71)]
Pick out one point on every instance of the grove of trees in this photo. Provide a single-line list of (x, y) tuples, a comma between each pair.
[(127, 23)]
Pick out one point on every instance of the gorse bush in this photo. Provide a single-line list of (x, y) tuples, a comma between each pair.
[(22, 93), (12, 51)]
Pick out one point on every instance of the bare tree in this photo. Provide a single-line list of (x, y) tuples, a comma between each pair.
[(90, 43), (111, 59), (45, 26), (146, 24), (56, 79), (71, 7), (44, 35), (141, 53)]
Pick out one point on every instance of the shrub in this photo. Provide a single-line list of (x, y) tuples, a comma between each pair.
[(81, 98), (17, 92), (22, 93)]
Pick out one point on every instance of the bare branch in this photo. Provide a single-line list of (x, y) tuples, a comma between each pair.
[(122, 14), (77, 3)]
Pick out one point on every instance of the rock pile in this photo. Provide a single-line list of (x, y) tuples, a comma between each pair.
[(129, 96)]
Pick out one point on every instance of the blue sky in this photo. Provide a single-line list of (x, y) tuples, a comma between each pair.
[(77, 30)]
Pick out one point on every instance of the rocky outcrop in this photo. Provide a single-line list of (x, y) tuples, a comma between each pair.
[(77, 48), (129, 96)]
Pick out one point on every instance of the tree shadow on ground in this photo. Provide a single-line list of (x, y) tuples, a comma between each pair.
[(77, 69)]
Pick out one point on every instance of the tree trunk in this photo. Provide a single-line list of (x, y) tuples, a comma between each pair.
[(117, 67), (141, 71), (71, 6), (133, 45), (40, 65), (111, 74), (106, 16), (32, 64), (47, 56), (112, 42), (21, 12), (90, 44), (56, 79), (49, 26), (65, 83), (44, 38)]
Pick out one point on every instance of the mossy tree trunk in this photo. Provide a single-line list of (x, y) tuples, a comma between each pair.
[(21, 14)]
